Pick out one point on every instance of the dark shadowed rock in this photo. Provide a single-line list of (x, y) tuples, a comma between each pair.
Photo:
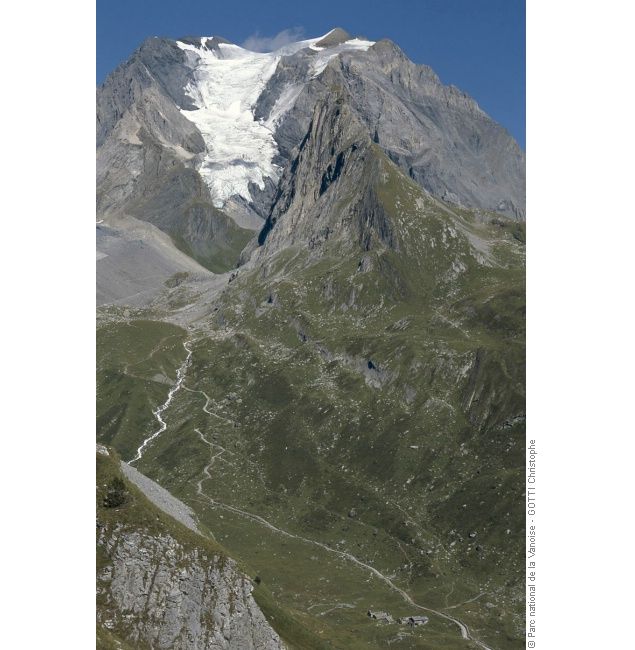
[(334, 37)]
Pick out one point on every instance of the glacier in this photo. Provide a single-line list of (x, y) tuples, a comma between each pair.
[(227, 81)]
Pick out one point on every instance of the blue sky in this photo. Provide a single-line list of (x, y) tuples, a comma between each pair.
[(477, 45)]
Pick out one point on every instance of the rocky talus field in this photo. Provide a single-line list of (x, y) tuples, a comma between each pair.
[(310, 353)]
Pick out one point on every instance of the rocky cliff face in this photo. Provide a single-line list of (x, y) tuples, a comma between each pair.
[(310, 205), (155, 593), (194, 135), (160, 585), (147, 153), (437, 134), (141, 134)]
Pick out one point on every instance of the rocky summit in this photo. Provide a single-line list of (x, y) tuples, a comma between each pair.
[(310, 352)]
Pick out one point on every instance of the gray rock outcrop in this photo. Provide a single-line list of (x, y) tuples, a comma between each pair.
[(156, 593), (147, 153), (437, 134), (308, 209)]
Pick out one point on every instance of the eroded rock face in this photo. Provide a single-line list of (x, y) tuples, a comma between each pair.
[(147, 154), (141, 134), (436, 133), (152, 591)]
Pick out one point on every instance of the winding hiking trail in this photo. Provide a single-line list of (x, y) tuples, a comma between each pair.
[(464, 629), (178, 384), (208, 401), (158, 412)]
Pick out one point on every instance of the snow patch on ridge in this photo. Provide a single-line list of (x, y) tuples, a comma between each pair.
[(227, 82), (283, 104), (325, 54)]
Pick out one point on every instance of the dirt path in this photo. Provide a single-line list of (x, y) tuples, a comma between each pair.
[(208, 401), (463, 628)]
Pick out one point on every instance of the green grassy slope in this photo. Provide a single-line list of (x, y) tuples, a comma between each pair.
[(179, 204), (220, 252), (366, 404)]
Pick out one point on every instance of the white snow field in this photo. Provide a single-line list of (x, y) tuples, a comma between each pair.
[(227, 83)]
